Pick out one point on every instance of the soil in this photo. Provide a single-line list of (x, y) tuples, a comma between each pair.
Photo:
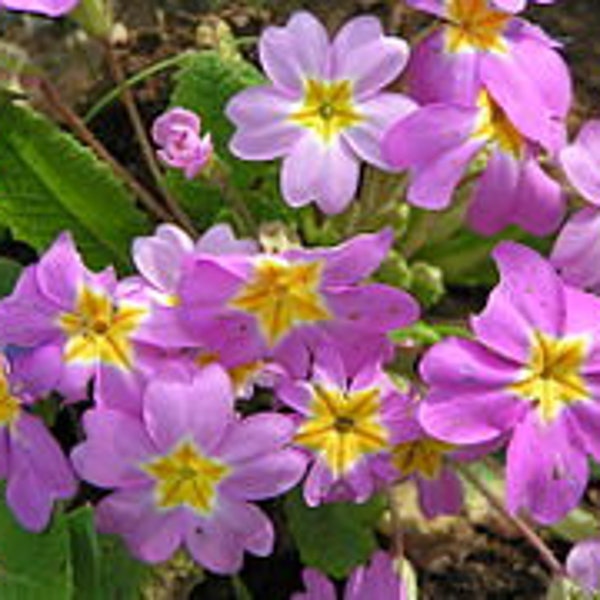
[(467, 560)]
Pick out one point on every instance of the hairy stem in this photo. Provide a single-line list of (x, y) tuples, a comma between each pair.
[(118, 74), (526, 531), (79, 128)]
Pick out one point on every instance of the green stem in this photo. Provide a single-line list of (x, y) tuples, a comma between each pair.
[(220, 176), (114, 94), (118, 74)]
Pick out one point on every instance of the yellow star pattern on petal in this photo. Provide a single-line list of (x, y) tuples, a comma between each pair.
[(494, 127), (327, 108), (10, 406), (474, 26), (552, 377), (424, 456), (282, 295), (186, 477), (344, 427), (97, 331)]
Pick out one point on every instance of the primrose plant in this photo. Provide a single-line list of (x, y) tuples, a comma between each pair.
[(240, 352)]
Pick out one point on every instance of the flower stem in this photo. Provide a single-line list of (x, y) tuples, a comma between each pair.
[(397, 534), (118, 74), (79, 128), (244, 220), (526, 531)]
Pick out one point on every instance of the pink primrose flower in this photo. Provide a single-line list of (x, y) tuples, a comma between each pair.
[(177, 133), (345, 425), (185, 472), (583, 565), (439, 142), (531, 375), (50, 8), (478, 46), (36, 471), (273, 306), (378, 580), (73, 325), (324, 111)]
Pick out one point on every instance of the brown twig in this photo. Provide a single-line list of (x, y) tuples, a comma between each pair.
[(80, 129), (526, 531), (118, 75)]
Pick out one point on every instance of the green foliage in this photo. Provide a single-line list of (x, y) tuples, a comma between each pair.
[(204, 85), (335, 537), (9, 273), (426, 334), (102, 566), (34, 566), (67, 561), (50, 183)]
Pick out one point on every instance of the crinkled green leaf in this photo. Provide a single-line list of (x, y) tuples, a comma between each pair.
[(50, 183), (34, 566), (335, 537)]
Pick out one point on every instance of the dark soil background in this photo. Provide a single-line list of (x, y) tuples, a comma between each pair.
[(462, 558)]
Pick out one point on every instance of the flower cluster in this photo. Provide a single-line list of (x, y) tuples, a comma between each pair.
[(167, 352), (163, 365)]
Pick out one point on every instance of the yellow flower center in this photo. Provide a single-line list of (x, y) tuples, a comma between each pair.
[(327, 108), (552, 378), (474, 26), (343, 427), (10, 406), (186, 477), (494, 127), (423, 456), (240, 375), (282, 295), (97, 331)]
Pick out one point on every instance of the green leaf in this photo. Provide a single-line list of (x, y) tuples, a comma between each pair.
[(205, 85), (50, 183), (336, 537), (465, 258), (34, 565), (86, 554), (122, 577), (102, 566), (9, 273)]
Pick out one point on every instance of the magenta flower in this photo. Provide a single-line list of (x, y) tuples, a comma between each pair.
[(75, 325), (177, 133), (50, 8), (478, 46), (581, 162), (531, 374), (31, 460), (576, 253), (159, 258), (186, 472), (266, 305), (345, 425), (379, 580), (583, 565), (439, 141), (515, 6), (325, 110)]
